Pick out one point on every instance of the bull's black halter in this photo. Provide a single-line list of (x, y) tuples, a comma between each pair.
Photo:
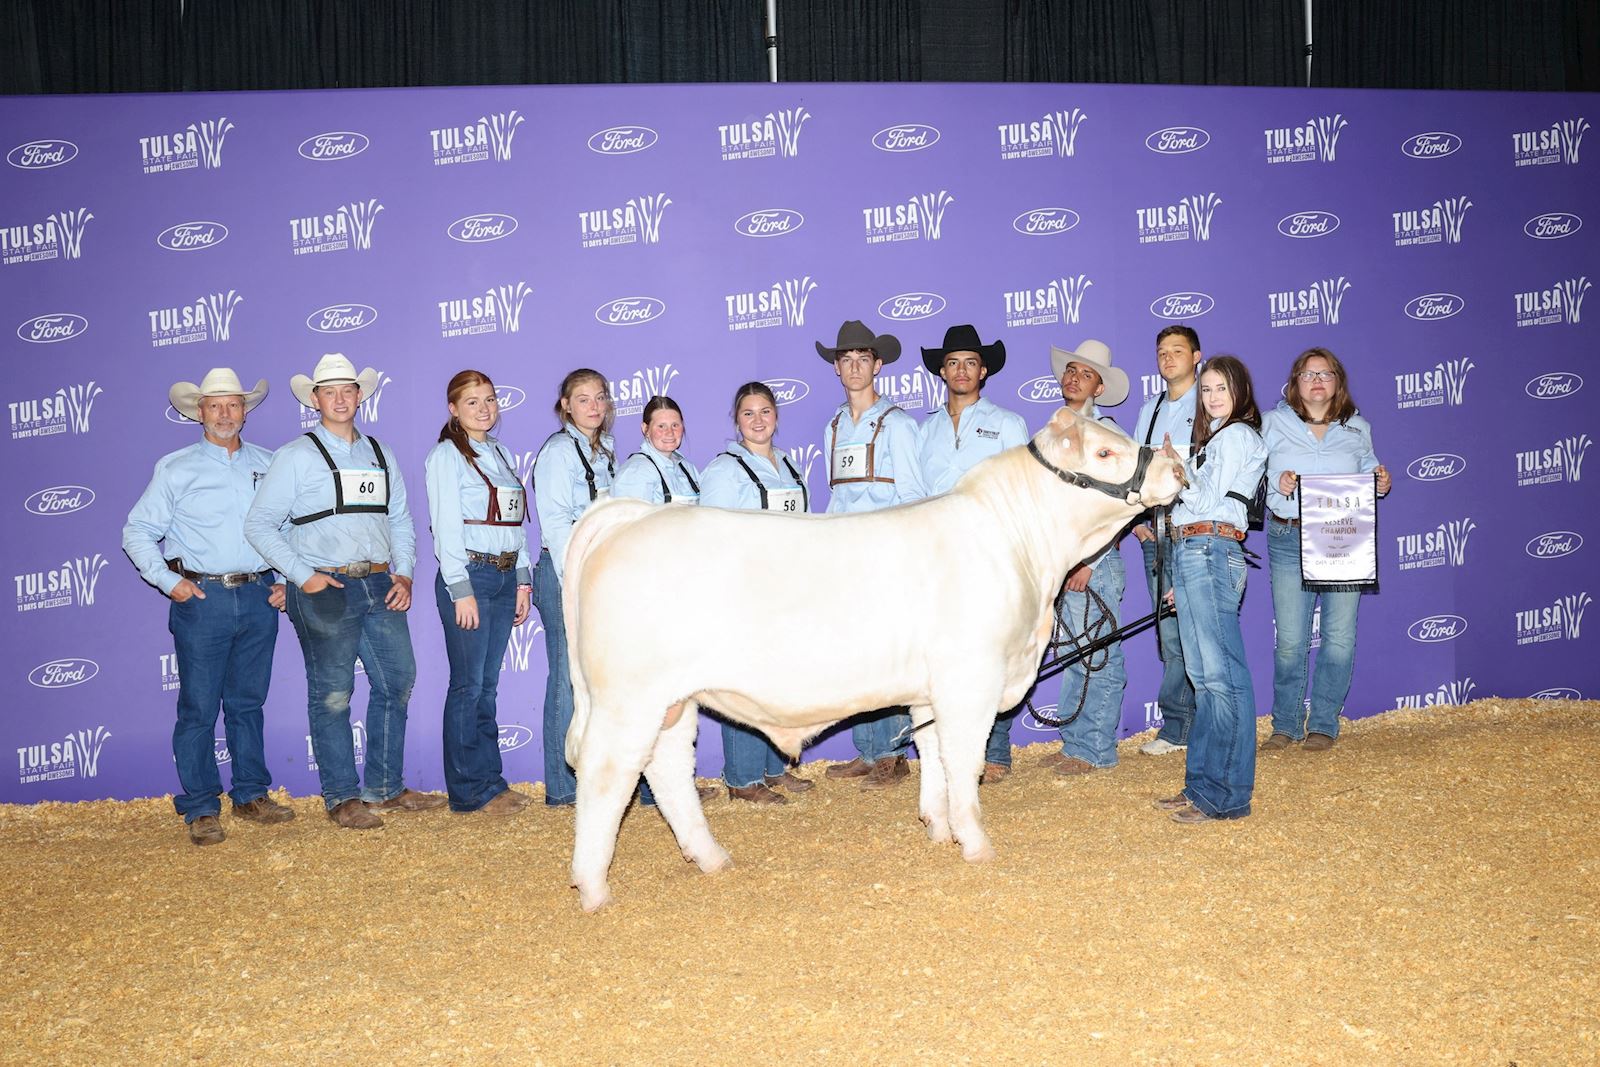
[(1127, 492)]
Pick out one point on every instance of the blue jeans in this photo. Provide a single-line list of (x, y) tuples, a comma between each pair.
[(875, 735), (1209, 576), (1293, 606), (1176, 698), (472, 773), (334, 627), (748, 757), (1092, 736), (560, 783), (224, 649), (998, 749)]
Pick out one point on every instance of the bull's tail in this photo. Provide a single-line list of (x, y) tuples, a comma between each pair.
[(593, 528)]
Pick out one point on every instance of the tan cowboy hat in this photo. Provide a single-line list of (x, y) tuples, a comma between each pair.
[(1096, 354), (853, 335), (332, 369), (219, 381)]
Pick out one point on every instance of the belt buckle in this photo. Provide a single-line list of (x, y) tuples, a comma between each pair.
[(359, 570), (506, 560), (232, 581)]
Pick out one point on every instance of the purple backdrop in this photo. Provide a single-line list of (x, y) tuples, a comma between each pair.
[(686, 239)]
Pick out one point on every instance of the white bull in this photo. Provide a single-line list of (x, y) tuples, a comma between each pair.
[(791, 623)]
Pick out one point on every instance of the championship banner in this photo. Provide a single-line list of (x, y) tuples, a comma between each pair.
[(1339, 532)]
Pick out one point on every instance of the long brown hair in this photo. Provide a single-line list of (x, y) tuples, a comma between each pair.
[(571, 383), (453, 430), (1341, 407), (1237, 375)]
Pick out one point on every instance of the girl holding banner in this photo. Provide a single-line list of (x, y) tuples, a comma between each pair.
[(1322, 484)]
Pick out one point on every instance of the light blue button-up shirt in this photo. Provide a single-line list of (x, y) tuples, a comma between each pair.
[(725, 484), (1291, 446), (455, 493), (300, 483), (894, 457), (1236, 457), (640, 477), (948, 451), (560, 490), (196, 503), (1175, 417)]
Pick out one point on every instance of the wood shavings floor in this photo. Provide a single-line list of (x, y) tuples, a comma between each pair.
[(1426, 892)]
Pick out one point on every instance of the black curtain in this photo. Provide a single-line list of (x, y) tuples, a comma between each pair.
[(90, 46)]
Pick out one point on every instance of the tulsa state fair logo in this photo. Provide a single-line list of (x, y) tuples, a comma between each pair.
[(347, 227), (1450, 694), (1561, 302), (192, 236), (1561, 462), (498, 309), (358, 742), (1557, 385), (524, 638), (1556, 143), (1561, 619), (908, 137), (629, 394), (1316, 304), (1432, 225), (48, 329), (1187, 220), (1304, 225), (776, 134), (636, 222), (205, 318), (916, 217), (167, 667), (915, 390), (1058, 301), (1313, 140), (1556, 544), (1445, 384), (42, 154), (1552, 226), (1433, 145), (489, 138), (199, 144), (370, 401), (805, 458), (769, 222), (71, 584), (783, 303), (1443, 546), (76, 755), (66, 409), (58, 236), (1055, 133)]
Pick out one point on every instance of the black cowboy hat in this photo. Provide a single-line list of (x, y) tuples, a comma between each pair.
[(854, 334), (964, 338)]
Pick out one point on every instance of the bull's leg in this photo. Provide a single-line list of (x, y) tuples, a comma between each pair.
[(608, 769), (934, 802), (963, 728), (671, 777)]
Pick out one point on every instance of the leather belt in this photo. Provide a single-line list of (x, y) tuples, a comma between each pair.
[(229, 581), (504, 561), (357, 570), (1201, 529), (1284, 522)]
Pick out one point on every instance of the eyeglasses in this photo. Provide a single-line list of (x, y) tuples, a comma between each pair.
[(1317, 376)]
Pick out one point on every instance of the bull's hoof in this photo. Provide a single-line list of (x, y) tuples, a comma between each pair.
[(983, 852), (938, 830), (593, 899), (712, 862)]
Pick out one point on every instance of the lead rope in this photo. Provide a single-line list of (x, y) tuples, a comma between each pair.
[(1090, 641)]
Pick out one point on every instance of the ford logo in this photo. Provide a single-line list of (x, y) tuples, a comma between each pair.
[(509, 396), (476, 229), (1181, 305), (1304, 224), (1553, 386), (338, 144), (907, 307), (341, 318), (514, 736), (1554, 545), (1045, 221), (622, 140), (1434, 306), (1436, 467), (189, 236), (910, 137), (629, 311), (1041, 390), (60, 500), (48, 329), (1436, 628), (174, 415), (1552, 226), (1031, 721), (1560, 692), (1434, 145), (1176, 140), (788, 390), (769, 222), (63, 673), (42, 155)]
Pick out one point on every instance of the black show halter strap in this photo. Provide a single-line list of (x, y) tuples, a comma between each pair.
[(1127, 491)]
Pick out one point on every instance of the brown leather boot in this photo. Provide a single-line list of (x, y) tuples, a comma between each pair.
[(206, 830), (790, 781), (994, 774), (856, 768), (885, 773), (353, 815), (757, 794), (505, 802), (411, 800), (263, 809)]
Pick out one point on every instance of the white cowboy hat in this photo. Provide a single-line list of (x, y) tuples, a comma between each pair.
[(1096, 354), (332, 369), (219, 381)]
